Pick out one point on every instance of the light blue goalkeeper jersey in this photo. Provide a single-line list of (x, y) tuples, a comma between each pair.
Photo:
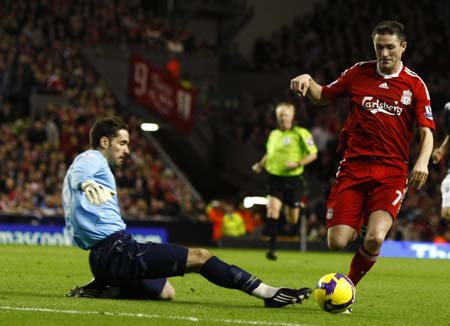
[(88, 224)]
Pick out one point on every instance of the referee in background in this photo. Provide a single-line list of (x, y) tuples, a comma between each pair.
[(289, 149)]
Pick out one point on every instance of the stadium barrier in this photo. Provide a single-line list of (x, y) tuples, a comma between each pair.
[(30, 230), (409, 249), (398, 249)]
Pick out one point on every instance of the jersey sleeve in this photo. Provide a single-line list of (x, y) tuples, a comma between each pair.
[(84, 168), (307, 140), (341, 86), (423, 112)]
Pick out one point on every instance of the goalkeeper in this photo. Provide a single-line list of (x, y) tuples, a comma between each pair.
[(121, 266)]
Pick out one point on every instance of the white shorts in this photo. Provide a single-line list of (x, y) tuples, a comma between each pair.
[(445, 190)]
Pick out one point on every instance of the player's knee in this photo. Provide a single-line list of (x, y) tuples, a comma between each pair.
[(196, 259), (337, 243), (201, 255), (373, 242), (168, 292)]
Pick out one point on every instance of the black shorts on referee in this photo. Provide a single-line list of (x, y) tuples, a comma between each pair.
[(288, 189)]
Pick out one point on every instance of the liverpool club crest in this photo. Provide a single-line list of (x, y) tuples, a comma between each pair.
[(406, 97)]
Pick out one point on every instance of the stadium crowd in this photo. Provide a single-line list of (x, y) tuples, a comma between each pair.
[(40, 44), (325, 42), (40, 51)]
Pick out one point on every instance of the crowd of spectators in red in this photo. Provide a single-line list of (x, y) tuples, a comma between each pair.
[(40, 44)]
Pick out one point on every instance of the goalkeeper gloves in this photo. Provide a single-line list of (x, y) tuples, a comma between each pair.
[(96, 194)]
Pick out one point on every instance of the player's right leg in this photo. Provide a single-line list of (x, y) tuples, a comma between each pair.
[(339, 236), (345, 208), (94, 289), (150, 289), (273, 213)]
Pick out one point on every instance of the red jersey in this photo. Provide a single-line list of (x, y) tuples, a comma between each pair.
[(383, 109)]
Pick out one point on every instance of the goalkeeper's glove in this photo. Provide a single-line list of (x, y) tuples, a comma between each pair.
[(96, 194)]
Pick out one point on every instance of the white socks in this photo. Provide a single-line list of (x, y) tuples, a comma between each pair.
[(264, 291)]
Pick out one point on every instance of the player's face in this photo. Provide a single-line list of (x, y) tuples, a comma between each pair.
[(118, 148), (388, 50), (285, 116)]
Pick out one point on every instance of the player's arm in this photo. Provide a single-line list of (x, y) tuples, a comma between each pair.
[(82, 178), (308, 159), (442, 150), (419, 173), (305, 85), (96, 194), (260, 165), (303, 162)]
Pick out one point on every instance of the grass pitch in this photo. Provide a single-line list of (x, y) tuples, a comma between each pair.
[(396, 292)]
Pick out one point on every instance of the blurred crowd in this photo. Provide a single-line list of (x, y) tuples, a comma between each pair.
[(46, 23), (325, 43), (40, 44), (40, 50)]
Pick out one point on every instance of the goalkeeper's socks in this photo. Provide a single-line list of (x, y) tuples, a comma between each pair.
[(264, 291), (229, 276), (362, 262)]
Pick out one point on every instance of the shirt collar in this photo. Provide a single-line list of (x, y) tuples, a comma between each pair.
[(394, 75)]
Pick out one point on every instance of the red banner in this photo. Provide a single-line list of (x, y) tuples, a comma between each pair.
[(156, 90)]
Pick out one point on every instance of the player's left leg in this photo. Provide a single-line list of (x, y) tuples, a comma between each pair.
[(232, 277), (292, 215), (164, 260), (382, 205), (378, 226)]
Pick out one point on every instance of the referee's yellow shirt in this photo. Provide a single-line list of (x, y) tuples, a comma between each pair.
[(288, 146)]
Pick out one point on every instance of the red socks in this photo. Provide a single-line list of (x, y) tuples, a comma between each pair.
[(362, 262)]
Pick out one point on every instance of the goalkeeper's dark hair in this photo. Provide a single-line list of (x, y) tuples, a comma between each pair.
[(391, 27), (106, 127)]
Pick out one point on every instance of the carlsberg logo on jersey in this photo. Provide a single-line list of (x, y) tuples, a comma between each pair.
[(375, 106)]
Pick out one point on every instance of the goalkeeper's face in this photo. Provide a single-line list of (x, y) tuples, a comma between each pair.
[(389, 50), (117, 148)]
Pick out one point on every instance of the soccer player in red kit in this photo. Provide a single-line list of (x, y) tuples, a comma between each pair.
[(386, 100)]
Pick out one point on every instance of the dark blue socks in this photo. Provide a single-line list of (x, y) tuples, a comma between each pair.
[(229, 276)]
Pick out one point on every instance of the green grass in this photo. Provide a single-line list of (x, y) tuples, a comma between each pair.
[(395, 292)]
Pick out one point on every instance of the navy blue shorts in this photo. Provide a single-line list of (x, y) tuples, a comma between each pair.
[(140, 269)]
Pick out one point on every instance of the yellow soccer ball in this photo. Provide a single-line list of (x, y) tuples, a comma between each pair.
[(334, 293)]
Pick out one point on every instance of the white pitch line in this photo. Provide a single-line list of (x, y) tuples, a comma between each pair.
[(139, 315)]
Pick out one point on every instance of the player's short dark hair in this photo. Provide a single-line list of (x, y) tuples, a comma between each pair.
[(391, 27), (105, 127)]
